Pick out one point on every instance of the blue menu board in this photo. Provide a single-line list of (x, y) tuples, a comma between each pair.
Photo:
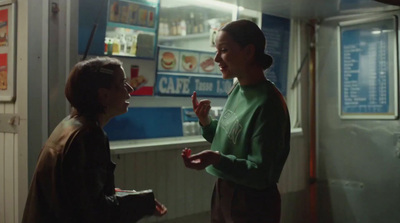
[(277, 33), (368, 69)]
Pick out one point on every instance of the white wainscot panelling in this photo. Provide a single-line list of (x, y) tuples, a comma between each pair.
[(188, 192), (295, 173), (183, 191), (8, 159)]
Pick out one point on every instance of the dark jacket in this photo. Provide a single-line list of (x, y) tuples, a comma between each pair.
[(74, 178)]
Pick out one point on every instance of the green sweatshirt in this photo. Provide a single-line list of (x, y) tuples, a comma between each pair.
[(252, 136)]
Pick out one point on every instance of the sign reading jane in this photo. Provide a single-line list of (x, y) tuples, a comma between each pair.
[(170, 84)]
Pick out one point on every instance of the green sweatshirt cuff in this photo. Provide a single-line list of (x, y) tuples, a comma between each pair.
[(209, 130), (224, 163)]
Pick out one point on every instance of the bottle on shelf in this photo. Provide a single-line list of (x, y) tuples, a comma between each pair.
[(166, 27), (190, 23), (128, 41), (195, 26), (122, 43), (201, 24), (182, 27), (109, 46), (106, 45), (134, 45), (173, 28), (115, 46), (161, 27), (178, 27)]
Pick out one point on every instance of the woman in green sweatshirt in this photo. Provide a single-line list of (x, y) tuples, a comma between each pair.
[(251, 140)]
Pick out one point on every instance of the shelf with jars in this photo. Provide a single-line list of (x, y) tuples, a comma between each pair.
[(184, 37), (188, 23)]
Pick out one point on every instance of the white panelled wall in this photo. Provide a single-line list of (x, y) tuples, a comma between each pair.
[(188, 192), (8, 162), (13, 146)]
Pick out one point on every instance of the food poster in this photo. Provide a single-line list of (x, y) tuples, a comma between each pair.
[(186, 61), (4, 27), (3, 71), (139, 81), (207, 64), (140, 74), (189, 62), (113, 11), (168, 60), (151, 17), (123, 12), (131, 13), (142, 20)]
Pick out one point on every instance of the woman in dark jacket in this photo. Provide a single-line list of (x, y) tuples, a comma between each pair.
[(74, 176)]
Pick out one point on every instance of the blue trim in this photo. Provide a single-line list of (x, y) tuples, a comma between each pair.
[(144, 123)]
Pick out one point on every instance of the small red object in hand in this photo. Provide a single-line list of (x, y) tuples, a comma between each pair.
[(187, 153)]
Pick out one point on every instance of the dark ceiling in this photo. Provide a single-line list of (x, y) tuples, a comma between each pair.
[(315, 9)]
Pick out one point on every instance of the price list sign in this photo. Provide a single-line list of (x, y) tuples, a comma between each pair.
[(368, 63), (277, 32)]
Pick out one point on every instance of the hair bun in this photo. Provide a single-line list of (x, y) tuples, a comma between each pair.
[(268, 60)]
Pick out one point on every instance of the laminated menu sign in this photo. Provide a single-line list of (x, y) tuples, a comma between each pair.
[(3, 71), (180, 72), (7, 52), (277, 32), (3, 43), (368, 64), (3, 27)]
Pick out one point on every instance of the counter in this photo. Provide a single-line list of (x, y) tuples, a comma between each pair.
[(146, 145)]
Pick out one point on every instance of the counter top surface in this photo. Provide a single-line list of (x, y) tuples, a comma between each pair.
[(141, 145)]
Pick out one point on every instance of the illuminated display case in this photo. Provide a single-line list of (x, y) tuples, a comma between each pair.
[(125, 28), (131, 28), (189, 24)]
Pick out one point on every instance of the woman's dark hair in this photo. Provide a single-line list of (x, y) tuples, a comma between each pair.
[(84, 81), (246, 32)]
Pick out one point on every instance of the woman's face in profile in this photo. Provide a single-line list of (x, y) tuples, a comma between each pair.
[(229, 56), (119, 94)]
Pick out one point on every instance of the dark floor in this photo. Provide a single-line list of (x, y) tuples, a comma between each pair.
[(196, 218)]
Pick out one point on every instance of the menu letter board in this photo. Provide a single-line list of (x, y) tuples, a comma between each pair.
[(368, 69)]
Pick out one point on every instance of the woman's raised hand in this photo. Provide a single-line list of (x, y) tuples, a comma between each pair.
[(201, 109)]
